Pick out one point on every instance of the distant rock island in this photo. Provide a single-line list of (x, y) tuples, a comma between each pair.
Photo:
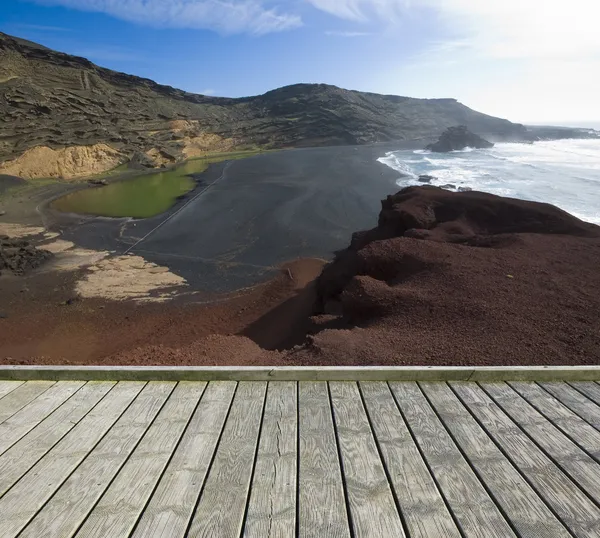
[(457, 138), (63, 116)]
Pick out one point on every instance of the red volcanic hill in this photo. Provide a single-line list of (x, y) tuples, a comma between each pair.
[(462, 278)]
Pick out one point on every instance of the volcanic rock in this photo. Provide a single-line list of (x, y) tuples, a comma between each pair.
[(140, 161), (19, 256), (462, 278), (457, 138)]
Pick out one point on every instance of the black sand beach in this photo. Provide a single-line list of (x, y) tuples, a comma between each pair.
[(248, 217)]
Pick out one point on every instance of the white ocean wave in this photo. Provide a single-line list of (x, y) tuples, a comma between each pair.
[(565, 173), (398, 164)]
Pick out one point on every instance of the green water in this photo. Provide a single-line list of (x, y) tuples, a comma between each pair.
[(140, 197)]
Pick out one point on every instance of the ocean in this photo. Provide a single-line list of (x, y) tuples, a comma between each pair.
[(565, 173)]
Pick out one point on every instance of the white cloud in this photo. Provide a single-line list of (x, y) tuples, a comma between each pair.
[(208, 91), (363, 10), (226, 16), (496, 28), (525, 28), (341, 33)]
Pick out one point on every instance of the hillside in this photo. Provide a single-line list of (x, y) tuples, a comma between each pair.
[(64, 116)]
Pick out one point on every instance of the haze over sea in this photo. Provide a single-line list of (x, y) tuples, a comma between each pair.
[(565, 173)]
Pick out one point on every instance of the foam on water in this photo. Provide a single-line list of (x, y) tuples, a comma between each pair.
[(565, 173)]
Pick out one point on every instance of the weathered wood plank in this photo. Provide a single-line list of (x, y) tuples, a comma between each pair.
[(21, 396), (567, 455), (372, 506), (424, 510), (272, 505), (590, 389), (172, 504), (521, 505), (8, 386), (571, 505), (23, 421), (67, 509), (572, 425), (475, 511), (30, 493), (117, 512), (576, 402), (322, 505), (24, 454), (229, 479)]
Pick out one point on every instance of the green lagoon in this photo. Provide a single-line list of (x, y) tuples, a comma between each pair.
[(143, 196)]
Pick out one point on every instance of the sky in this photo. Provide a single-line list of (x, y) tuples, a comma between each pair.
[(531, 61)]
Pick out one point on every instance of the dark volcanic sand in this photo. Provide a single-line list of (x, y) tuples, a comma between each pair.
[(444, 279), (263, 211)]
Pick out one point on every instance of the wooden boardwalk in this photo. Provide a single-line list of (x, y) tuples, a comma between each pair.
[(308, 459)]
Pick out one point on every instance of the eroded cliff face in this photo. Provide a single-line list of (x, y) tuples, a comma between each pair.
[(63, 102), (66, 163)]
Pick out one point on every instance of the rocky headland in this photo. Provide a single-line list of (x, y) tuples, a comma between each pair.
[(462, 278), (457, 138)]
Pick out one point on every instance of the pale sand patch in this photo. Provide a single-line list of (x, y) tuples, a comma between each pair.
[(129, 277), (66, 163), (118, 278), (74, 258), (18, 231), (60, 245)]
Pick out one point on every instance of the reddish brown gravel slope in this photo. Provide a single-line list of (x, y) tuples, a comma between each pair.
[(462, 278), (444, 279)]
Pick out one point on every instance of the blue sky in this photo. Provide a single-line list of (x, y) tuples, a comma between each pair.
[(527, 60)]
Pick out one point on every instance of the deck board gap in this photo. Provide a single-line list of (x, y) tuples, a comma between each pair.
[(573, 408), (22, 388), (409, 427), (508, 458), (34, 424), (383, 464), (584, 388), (111, 481), (49, 499), (9, 386), (33, 464), (579, 388), (564, 431), (474, 469), (164, 470), (260, 429), (210, 465), (533, 439), (74, 469), (341, 464)]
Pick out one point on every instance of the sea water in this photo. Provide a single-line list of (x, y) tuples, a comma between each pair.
[(565, 173)]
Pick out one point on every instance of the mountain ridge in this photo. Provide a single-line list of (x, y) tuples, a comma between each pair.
[(58, 102)]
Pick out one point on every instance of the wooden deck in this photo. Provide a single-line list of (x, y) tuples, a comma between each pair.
[(308, 459)]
